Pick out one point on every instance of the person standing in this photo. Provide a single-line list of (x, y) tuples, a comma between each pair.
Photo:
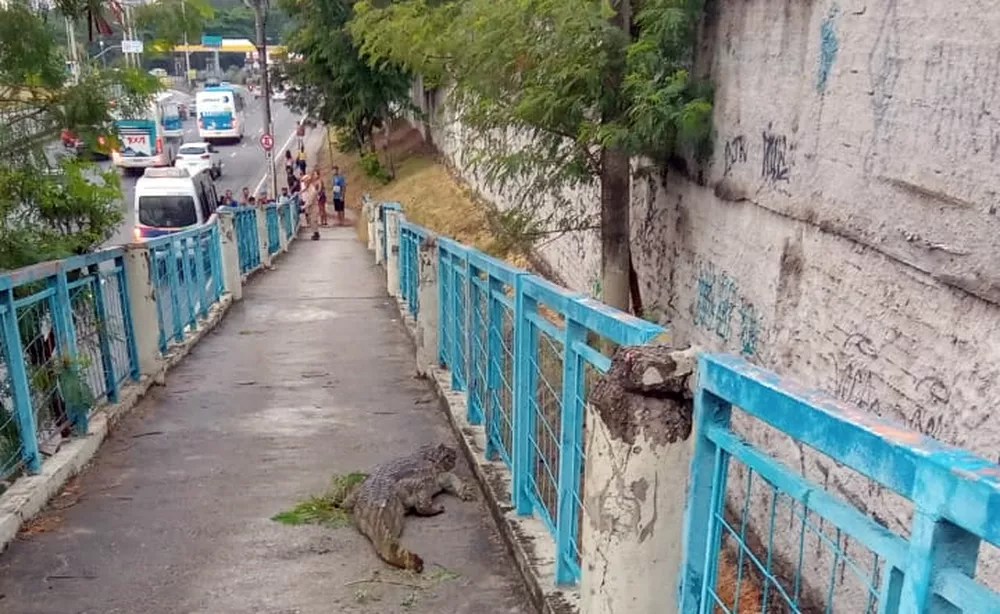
[(339, 194), (245, 199), (300, 160), (310, 197), (289, 163)]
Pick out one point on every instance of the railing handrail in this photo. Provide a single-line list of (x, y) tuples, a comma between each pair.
[(188, 233), (958, 484), (49, 268)]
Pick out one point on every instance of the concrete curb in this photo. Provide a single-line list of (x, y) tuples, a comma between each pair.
[(526, 537)]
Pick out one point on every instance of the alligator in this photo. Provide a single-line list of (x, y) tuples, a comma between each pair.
[(379, 504)]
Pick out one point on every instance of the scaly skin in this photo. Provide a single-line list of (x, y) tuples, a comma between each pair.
[(380, 503)]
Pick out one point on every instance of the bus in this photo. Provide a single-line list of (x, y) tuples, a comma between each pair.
[(220, 113), (142, 141), (170, 115)]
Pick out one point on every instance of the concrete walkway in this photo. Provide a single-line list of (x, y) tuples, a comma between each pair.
[(310, 375)]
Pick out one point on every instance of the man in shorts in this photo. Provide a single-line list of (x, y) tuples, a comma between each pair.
[(339, 194)]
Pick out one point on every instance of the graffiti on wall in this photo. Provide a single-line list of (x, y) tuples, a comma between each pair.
[(775, 158), (861, 366), (774, 155), (719, 306)]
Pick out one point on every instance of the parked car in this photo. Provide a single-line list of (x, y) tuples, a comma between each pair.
[(196, 157)]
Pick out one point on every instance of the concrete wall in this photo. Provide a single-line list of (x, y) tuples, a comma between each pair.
[(846, 231)]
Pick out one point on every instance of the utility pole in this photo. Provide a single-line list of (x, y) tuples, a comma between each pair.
[(260, 8), (187, 49)]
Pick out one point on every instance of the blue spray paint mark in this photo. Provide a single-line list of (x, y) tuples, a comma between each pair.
[(829, 46), (717, 301)]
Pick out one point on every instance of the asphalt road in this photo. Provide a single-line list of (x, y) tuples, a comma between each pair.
[(243, 163)]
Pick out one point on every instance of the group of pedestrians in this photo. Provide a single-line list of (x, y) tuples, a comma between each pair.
[(314, 199)]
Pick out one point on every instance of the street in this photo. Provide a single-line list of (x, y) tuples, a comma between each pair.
[(243, 163)]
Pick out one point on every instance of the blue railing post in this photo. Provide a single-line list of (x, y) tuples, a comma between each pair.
[(525, 387), (494, 359), (444, 294), (103, 339), (20, 388), (935, 545), (459, 332), (199, 277), (173, 289), (61, 308), (190, 280), (474, 347), (706, 496), (126, 307), (218, 275), (570, 453)]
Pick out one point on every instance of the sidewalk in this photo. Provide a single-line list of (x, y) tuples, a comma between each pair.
[(310, 375)]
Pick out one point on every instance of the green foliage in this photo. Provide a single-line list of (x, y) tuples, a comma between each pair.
[(372, 167), (48, 208), (547, 83), (238, 22), (333, 83), (169, 20), (326, 509)]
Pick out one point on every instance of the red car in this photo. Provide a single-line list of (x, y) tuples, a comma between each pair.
[(75, 143)]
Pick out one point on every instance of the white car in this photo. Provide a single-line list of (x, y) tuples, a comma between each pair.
[(279, 95), (196, 157)]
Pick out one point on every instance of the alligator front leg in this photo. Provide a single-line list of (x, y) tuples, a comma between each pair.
[(423, 505), (454, 485)]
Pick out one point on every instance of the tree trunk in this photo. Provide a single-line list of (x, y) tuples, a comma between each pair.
[(615, 179), (615, 253)]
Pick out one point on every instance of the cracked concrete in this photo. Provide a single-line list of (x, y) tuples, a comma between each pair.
[(309, 376)]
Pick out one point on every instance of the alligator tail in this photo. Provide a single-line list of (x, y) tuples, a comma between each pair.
[(393, 553)]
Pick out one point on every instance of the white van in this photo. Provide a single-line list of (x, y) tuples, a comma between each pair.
[(170, 199)]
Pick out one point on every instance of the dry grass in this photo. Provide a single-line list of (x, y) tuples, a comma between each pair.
[(429, 194)]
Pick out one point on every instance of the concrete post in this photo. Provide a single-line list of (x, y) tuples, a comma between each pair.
[(142, 305), (379, 231), (230, 254), (370, 217), (392, 247), (639, 449), (265, 258), (427, 317)]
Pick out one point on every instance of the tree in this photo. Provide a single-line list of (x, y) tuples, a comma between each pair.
[(332, 82), (560, 93), (50, 208), (171, 21)]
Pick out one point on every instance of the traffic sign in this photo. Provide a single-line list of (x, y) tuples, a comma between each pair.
[(267, 141), (207, 40)]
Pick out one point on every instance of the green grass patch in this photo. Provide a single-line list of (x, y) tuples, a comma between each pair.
[(324, 509)]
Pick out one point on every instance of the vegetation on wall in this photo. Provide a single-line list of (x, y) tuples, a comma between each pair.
[(560, 93)]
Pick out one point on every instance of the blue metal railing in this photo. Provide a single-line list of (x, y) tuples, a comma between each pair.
[(186, 274), (520, 348), (816, 550), (273, 229), (247, 239), (410, 237), (66, 345)]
